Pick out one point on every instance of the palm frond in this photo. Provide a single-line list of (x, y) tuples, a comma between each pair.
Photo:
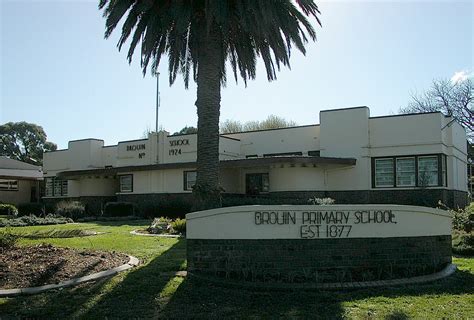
[(247, 30)]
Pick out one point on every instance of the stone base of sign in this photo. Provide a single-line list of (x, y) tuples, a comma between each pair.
[(318, 260), (446, 272)]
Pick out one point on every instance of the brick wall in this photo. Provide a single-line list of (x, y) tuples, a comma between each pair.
[(318, 260), (418, 197)]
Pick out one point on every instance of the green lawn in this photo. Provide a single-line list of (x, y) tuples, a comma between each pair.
[(151, 292)]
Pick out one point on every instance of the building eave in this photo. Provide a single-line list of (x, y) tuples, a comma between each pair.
[(237, 163)]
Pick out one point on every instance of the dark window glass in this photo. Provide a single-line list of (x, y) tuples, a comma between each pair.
[(126, 183), (257, 183)]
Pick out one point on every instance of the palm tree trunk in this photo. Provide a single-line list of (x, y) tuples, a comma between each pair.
[(207, 190)]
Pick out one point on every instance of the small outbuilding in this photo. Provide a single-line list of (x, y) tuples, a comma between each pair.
[(20, 182)]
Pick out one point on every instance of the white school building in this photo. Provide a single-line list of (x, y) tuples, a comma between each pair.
[(417, 159)]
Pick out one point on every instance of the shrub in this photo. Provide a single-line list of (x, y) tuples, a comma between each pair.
[(8, 239), (463, 243), (463, 219), (70, 209), (30, 208), (119, 209), (321, 201), (33, 220), (8, 210), (178, 226), (159, 225)]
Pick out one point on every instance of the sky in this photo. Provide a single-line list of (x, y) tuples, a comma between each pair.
[(58, 71)]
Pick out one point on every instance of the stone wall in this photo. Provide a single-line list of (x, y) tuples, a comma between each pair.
[(318, 260)]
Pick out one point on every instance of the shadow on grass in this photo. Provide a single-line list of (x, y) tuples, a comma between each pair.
[(52, 304), (139, 294), (152, 291), (133, 295), (197, 299), (114, 223)]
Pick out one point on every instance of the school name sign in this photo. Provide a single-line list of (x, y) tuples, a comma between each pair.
[(324, 223), (317, 222)]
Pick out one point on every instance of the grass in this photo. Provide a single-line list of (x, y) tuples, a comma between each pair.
[(152, 291)]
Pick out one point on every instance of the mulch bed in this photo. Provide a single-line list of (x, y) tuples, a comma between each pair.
[(33, 266)]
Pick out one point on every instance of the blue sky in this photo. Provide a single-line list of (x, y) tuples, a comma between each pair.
[(58, 71)]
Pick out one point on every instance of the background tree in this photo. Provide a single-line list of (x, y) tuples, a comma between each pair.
[(187, 130), (455, 99), (272, 122), (24, 141), (203, 36)]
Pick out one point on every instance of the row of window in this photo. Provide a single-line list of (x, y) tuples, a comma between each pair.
[(388, 172), (410, 171), (8, 185), (55, 187)]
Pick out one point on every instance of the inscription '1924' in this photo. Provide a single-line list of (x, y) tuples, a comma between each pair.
[(324, 224)]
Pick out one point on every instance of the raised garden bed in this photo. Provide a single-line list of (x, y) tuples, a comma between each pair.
[(43, 264)]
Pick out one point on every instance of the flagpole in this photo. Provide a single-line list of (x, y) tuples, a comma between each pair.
[(157, 99)]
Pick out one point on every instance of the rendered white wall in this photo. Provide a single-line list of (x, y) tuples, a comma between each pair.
[(279, 141), (22, 195), (296, 178), (98, 186), (345, 134)]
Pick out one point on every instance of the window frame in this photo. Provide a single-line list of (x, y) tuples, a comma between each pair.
[(63, 185), (442, 174), (185, 179), (414, 172), (120, 182), (375, 173), (261, 174), (9, 182), (438, 182)]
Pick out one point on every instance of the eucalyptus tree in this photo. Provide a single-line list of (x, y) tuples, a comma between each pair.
[(200, 37)]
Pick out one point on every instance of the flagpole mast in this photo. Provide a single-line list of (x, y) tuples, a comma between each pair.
[(157, 99)]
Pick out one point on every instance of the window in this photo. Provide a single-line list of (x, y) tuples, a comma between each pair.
[(56, 187), (443, 171), (8, 185), (283, 154), (384, 172), (314, 153), (409, 171), (428, 171), (189, 180), (406, 172), (126, 183), (257, 183)]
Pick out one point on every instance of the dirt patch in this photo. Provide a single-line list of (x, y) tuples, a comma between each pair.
[(42, 264)]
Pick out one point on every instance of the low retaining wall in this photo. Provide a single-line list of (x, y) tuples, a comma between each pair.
[(320, 244)]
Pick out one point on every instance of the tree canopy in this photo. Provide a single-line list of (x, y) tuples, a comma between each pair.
[(24, 141), (454, 99), (187, 130), (272, 122)]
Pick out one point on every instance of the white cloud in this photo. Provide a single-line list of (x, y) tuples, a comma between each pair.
[(461, 76)]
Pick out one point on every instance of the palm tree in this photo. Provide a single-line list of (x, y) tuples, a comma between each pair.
[(201, 36)]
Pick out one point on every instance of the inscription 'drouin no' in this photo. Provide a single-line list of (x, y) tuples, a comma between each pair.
[(324, 224)]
